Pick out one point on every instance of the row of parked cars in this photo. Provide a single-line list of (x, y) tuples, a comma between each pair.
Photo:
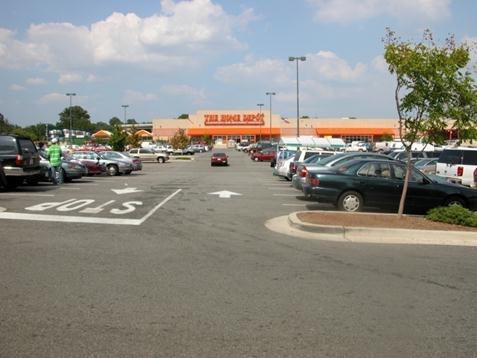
[(354, 180), (21, 161)]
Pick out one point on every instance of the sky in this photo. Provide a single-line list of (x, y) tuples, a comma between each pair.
[(165, 58)]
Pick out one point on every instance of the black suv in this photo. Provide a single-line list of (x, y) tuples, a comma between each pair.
[(19, 158)]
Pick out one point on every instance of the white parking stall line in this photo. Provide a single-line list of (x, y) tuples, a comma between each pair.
[(25, 194), (84, 219), (282, 188)]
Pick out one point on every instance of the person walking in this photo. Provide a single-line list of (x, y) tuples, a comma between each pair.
[(54, 157)]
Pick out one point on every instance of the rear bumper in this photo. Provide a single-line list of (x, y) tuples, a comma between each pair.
[(20, 172)]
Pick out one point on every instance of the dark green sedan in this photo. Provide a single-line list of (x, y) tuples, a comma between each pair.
[(377, 183)]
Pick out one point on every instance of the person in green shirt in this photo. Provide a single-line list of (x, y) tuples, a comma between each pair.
[(54, 156)]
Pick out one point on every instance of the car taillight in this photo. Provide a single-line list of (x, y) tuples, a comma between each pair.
[(19, 160), (303, 172), (460, 171), (312, 180)]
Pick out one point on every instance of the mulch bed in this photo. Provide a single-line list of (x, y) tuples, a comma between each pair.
[(377, 221)]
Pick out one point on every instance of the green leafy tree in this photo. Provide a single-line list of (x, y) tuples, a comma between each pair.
[(183, 116), (115, 121), (102, 125), (134, 141), (131, 121), (5, 126), (118, 139), (80, 119), (433, 89), (180, 140)]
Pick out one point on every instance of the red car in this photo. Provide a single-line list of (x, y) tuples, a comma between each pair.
[(219, 159), (91, 161), (266, 155)]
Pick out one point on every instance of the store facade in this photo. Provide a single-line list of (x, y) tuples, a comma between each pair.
[(252, 126)]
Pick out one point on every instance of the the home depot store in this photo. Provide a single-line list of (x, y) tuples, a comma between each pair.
[(252, 126)]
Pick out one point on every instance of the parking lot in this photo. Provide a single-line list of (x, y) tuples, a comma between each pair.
[(175, 260)]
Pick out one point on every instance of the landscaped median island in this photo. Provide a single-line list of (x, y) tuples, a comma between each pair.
[(376, 220)]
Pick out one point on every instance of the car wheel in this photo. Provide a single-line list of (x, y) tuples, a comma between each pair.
[(160, 160), (454, 200), (350, 201), (112, 170), (12, 183)]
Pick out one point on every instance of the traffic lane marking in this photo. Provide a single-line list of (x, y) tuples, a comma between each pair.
[(84, 219)]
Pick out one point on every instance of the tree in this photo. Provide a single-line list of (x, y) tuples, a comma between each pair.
[(433, 90), (80, 119), (180, 140), (115, 121), (134, 140), (102, 125), (131, 121), (5, 126), (118, 139), (183, 116)]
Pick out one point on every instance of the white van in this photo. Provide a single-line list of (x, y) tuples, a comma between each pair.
[(458, 165)]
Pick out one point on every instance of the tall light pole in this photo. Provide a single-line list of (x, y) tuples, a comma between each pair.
[(270, 94), (297, 59), (71, 118), (260, 105), (125, 106)]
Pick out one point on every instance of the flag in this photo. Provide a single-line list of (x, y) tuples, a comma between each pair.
[(285, 120)]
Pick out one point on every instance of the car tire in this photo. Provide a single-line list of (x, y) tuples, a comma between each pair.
[(455, 200), (112, 170), (12, 183), (160, 160), (350, 201)]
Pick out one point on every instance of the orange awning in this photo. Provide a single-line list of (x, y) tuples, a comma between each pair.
[(143, 133), (354, 131), (233, 131), (102, 134)]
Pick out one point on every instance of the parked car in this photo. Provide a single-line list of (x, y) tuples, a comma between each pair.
[(219, 158), (459, 165), (357, 146), (3, 178), (199, 148), (71, 169), (415, 155), (240, 146), (113, 167), (149, 155), (91, 162), (113, 155), (19, 158), (282, 160), (378, 183), (426, 165), (303, 155), (265, 155)]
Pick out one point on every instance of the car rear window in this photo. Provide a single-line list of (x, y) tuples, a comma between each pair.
[(8, 145), (219, 155), (451, 157), (27, 145)]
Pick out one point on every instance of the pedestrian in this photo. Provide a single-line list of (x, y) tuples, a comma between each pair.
[(54, 157)]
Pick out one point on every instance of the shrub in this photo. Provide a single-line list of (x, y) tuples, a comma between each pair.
[(453, 214)]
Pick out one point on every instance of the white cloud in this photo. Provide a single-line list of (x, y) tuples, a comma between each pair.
[(70, 78), (135, 96), (160, 41), (253, 71), (346, 11), (328, 65), (198, 96), (52, 98), (379, 64), (16, 88), (36, 81)]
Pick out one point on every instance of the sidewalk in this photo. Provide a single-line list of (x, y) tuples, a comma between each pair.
[(293, 226)]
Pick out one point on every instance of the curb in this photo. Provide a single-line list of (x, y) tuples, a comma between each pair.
[(385, 235)]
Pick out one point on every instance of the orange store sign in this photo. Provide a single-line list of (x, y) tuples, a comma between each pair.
[(233, 119)]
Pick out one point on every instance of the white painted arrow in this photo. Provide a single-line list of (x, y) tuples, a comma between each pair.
[(126, 191), (224, 194)]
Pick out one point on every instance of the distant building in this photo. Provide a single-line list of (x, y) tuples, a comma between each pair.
[(240, 125)]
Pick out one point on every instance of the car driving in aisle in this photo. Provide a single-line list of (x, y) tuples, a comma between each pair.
[(361, 183), (219, 158)]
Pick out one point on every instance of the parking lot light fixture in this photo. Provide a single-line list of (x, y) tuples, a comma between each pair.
[(270, 94), (297, 59), (125, 106)]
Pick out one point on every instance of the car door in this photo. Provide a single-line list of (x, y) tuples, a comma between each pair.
[(377, 185)]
